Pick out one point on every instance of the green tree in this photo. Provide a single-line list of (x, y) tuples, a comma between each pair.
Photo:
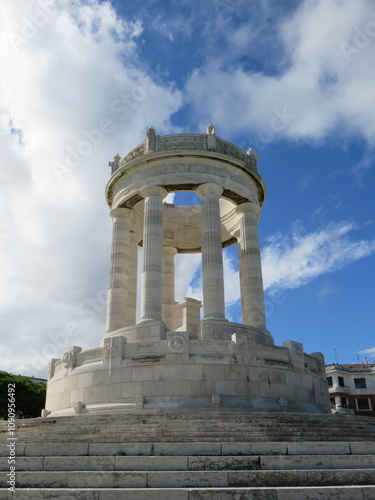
[(30, 397)]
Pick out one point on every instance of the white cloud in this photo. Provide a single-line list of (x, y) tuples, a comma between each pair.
[(169, 198), (292, 261), (306, 180), (370, 351), (73, 93), (316, 90), (187, 276), (360, 169), (172, 27), (326, 291), (231, 279)]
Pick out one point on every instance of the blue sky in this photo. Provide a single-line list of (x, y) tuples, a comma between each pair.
[(83, 80)]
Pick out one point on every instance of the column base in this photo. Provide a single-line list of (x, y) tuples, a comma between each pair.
[(145, 331), (219, 329), (215, 317)]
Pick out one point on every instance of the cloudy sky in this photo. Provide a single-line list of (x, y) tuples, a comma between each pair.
[(82, 80)]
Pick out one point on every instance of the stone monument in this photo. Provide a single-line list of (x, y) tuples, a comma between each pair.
[(172, 359)]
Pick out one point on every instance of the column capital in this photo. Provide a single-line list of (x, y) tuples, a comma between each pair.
[(120, 212), (209, 188), (153, 190), (248, 207), (169, 250)]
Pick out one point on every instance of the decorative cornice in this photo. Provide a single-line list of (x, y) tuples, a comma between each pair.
[(193, 142)]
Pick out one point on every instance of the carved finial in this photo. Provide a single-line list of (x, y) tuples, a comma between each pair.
[(150, 132), (253, 157), (210, 130), (115, 163), (150, 140)]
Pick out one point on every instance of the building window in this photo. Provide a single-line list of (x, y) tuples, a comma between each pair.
[(360, 383), (341, 381), (344, 402), (333, 402), (329, 380), (363, 404)]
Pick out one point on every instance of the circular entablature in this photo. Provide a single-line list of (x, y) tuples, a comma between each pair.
[(182, 173)]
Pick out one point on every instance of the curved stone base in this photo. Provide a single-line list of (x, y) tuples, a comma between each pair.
[(181, 374)]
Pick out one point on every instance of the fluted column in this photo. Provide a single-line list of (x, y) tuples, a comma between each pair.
[(212, 253), (168, 285), (152, 262), (133, 277), (251, 280), (117, 313)]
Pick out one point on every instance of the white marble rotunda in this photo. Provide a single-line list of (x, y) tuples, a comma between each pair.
[(174, 358)]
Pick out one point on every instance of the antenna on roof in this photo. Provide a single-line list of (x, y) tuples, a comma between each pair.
[(336, 358)]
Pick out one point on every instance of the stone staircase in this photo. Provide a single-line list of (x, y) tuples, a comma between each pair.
[(226, 456)]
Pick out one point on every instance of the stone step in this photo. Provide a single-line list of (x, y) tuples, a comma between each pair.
[(144, 430), (189, 479), (212, 437), (58, 436), (190, 463), (191, 449), (199, 425), (155, 422), (209, 435), (210, 425), (123, 438), (279, 493), (333, 422)]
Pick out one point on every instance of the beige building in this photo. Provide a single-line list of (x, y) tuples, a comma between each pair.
[(352, 388)]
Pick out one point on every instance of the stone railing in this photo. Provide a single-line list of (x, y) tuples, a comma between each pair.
[(204, 351), (134, 153), (365, 368), (339, 388), (204, 142)]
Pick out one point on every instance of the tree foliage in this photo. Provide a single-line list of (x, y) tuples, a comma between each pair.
[(30, 397)]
